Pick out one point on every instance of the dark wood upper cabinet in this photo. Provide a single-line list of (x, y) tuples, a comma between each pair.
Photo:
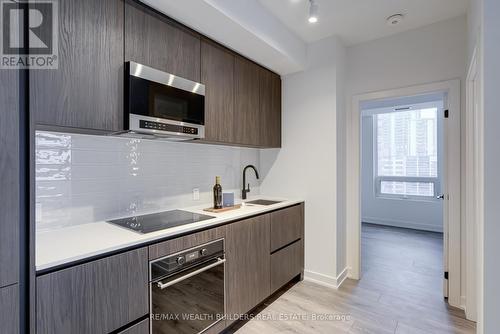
[(248, 264), (247, 115), (9, 177), (270, 109), (86, 91), (217, 74), (156, 41), (96, 297), (96, 38)]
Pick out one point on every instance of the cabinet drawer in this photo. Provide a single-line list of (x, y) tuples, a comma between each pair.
[(96, 297), (192, 240), (139, 328), (286, 264), (287, 225)]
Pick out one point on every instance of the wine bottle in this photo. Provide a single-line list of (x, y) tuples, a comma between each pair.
[(217, 194)]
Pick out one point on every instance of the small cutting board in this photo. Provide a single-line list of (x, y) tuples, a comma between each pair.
[(228, 208)]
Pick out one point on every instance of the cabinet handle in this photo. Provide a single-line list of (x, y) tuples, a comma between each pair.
[(191, 274)]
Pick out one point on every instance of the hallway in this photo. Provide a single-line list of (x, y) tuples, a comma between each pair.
[(400, 292)]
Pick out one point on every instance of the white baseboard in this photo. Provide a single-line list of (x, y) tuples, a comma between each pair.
[(463, 303), (326, 280), (404, 224)]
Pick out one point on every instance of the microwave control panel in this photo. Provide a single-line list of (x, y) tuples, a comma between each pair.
[(168, 127)]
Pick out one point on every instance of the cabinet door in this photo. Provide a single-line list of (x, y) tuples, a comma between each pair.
[(86, 91), (287, 226), (139, 328), (96, 297), (9, 309), (270, 109), (155, 41), (9, 177), (286, 264), (217, 73), (185, 242), (246, 101), (248, 264)]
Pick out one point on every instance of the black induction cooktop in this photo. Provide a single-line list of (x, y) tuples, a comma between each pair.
[(159, 221)]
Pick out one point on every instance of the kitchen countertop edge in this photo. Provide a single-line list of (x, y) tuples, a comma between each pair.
[(53, 261)]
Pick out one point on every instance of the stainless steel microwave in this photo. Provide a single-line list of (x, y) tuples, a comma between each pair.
[(162, 104)]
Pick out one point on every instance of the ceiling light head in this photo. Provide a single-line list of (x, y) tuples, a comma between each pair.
[(395, 19), (313, 12)]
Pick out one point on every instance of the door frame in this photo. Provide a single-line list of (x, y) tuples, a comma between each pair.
[(451, 180), (474, 187)]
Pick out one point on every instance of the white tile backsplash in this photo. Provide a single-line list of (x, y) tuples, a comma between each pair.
[(82, 179)]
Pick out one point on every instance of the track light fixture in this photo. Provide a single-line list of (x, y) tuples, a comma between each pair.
[(313, 11)]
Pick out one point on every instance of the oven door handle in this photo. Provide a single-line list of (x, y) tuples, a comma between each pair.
[(191, 274)]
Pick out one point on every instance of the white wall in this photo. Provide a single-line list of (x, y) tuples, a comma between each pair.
[(423, 214), (306, 166), (429, 54), (82, 179), (491, 103), (433, 53)]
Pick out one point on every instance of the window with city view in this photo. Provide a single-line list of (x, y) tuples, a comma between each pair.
[(407, 152)]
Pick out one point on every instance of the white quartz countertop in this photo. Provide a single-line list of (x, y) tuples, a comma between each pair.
[(70, 244)]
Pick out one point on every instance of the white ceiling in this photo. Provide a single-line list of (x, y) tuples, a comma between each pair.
[(275, 33), (242, 25), (357, 21)]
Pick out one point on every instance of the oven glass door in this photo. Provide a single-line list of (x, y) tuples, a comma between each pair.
[(152, 99), (190, 304)]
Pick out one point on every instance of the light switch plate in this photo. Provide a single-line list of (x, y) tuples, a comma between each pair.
[(196, 194), (38, 212)]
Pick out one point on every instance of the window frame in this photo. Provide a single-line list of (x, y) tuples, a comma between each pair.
[(377, 180)]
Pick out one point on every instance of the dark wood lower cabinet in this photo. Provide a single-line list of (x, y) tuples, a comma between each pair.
[(192, 240), (287, 226), (139, 328), (96, 297), (286, 264), (106, 295), (248, 264), (9, 309)]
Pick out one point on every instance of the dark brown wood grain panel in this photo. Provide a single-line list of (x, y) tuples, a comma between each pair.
[(192, 240), (270, 109), (217, 74), (248, 264), (139, 328), (96, 297), (287, 225), (286, 264), (9, 177), (156, 41), (86, 91), (9, 309), (247, 118)]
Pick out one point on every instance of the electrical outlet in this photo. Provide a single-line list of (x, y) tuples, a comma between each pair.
[(196, 194)]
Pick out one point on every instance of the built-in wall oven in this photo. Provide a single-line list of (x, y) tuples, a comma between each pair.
[(187, 290), (163, 104)]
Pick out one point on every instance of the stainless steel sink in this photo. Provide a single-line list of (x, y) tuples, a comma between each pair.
[(263, 202)]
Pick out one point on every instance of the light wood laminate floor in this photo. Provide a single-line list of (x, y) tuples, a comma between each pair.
[(400, 292)]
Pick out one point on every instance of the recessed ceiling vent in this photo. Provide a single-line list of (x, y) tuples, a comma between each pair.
[(395, 19)]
